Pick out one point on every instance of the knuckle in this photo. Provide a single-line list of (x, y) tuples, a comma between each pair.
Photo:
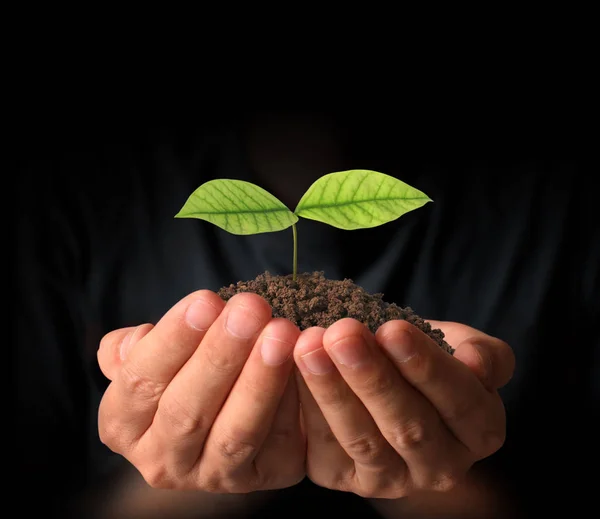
[(180, 418), (444, 482), (214, 482), (333, 396), (330, 479), (463, 409), (379, 484), (112, 431), (221, 360), (211, 484), (377, 386), (140, 385), (324, 436), (409, 435), (157, 477), (231, 485), (250, 482), (259, 480), (109, 432), (236, 446), (365, 448), (245, 479), (423, 369), (386, 481), (255, 387)]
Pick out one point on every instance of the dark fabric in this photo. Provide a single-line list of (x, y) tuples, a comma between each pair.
[(510, 245)]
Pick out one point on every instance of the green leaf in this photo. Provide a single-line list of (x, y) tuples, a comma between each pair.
[(359, 199), (238, 207)]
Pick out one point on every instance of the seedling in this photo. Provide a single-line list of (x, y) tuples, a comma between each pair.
[(355, 199)]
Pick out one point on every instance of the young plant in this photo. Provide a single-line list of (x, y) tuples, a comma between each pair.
[(355, 199)]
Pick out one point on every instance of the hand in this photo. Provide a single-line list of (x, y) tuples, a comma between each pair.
[(205, 400), (393, 413)]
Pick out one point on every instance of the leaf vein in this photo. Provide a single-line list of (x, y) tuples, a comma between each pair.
[(352, 202)]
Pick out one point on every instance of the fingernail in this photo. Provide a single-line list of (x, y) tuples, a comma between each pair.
[(317, 362), (201, 314), (274, 351), (126, 345), (242, 323), (350, 351), (401, 346)]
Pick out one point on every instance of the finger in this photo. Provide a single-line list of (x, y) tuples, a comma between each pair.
[(405, 418), (491, 359), (327, 464), (131, 400), (191, 402), (454, 332), (350, 421), (244, 421), (115, 345), (285, 441), (473, 414)]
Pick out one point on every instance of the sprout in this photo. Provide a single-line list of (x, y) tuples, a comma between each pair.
[(355, 199)]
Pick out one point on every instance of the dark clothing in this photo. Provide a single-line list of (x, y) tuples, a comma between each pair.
[(510, 246)]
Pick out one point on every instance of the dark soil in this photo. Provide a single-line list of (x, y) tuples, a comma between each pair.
[(314, 300)]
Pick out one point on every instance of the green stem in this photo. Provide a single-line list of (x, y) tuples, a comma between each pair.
[(294, 275)]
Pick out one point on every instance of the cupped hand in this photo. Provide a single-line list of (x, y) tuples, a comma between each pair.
[(391, 413), (205, 399)]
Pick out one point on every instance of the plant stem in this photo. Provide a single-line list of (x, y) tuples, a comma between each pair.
[(295, 268)]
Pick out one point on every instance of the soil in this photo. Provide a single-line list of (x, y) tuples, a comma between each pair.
[(314, 300)]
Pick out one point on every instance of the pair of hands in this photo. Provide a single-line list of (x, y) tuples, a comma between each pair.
[(209, 399)]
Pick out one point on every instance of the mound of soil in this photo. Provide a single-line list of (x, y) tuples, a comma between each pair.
[(314, 300)]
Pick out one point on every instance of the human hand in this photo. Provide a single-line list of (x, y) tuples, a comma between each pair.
[(398, 414), (205, 399)]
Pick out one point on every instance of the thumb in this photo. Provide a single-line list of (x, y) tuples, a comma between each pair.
[(115, 346), (490, 359)]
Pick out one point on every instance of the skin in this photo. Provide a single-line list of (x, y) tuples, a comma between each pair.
[(196, 405)]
